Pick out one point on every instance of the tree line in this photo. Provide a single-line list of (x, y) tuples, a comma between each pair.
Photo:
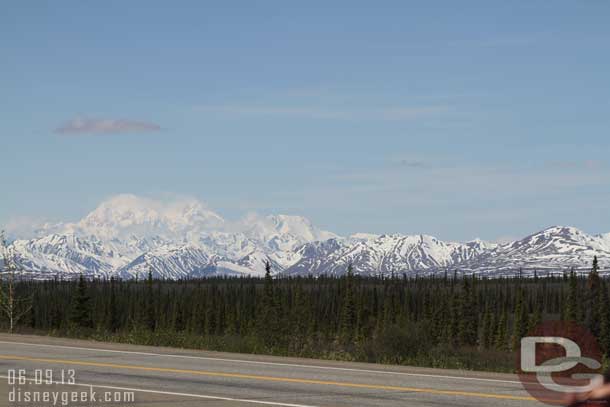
[(448, 321)]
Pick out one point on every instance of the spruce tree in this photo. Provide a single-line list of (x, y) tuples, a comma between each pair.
[(452, 327), (604, 319), (210, 315), (81, 307), (486, 327), (348, 312), (467, 327), (571, 312), (113, 312), (535, 318), (519, 321), (300, 318), (150, 314), (500, 337), (268, 324), (490, 337), (592, 300)]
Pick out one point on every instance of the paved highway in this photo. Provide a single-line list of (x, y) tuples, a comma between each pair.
[(175, 377)]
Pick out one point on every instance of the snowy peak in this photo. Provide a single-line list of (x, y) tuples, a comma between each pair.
[(385, 254), (275, 238), (128, 235), (65, 254), (300, 227), (558, 239), (122, 210), (125, 215), (281, 232), (557, 249), (192, 212), (317, 258)]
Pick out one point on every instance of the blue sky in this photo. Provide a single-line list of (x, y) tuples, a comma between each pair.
[(459, 119)]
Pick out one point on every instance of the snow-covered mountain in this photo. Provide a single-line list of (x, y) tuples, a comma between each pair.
[(386, 255), (129, 236), (68, 253), (315, 258), (177, 262), (553, 249)]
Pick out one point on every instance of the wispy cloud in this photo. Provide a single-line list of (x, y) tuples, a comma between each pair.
[(576, 164), (81, 125), (27, 227), (412, 163), (312, 112), (442, 181), (408, 113)]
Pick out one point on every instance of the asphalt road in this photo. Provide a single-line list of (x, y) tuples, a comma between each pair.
[(176, 377)]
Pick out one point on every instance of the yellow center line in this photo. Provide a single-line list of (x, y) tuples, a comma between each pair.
[(270, 378)]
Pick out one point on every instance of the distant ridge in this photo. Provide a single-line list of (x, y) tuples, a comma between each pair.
[(127, 236)]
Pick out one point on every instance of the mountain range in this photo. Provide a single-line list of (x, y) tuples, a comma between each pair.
[(126, 236)]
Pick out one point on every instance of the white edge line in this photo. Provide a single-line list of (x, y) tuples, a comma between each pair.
[(344, 369), (169, 393)]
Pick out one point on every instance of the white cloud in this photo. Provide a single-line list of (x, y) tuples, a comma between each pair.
[(108, 126), (26, 227), (576, 164)]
